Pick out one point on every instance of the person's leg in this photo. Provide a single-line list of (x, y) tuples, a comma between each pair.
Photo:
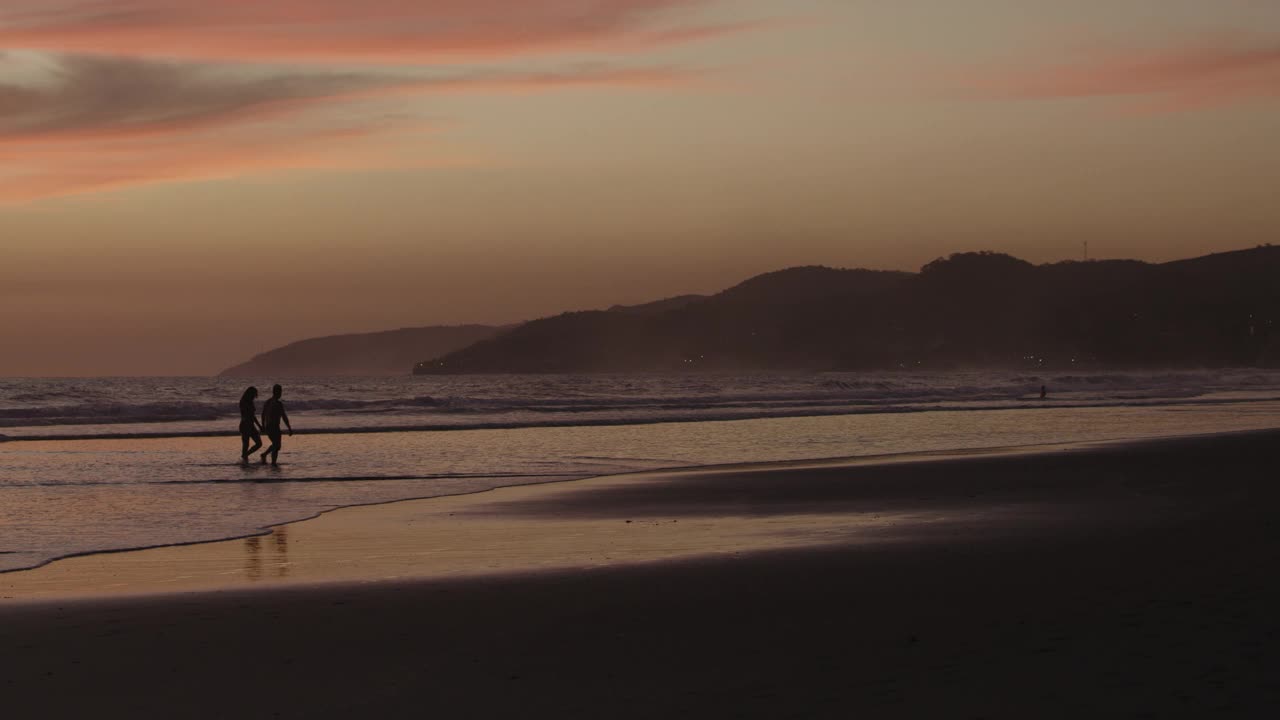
[(257, 443), (274, 449)]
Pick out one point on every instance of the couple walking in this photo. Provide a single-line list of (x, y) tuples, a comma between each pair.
[(272, 415)]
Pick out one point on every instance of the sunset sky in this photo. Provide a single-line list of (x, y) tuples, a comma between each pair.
[(185, 183)]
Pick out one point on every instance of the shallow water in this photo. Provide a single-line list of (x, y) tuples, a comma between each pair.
[(65, 497)]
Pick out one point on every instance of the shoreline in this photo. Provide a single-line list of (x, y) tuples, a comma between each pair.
[(1122, 580), (846, 461), (854, 459), (17, 577)]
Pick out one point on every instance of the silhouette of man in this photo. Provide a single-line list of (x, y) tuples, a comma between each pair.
[(1044, 392), (272, 413)]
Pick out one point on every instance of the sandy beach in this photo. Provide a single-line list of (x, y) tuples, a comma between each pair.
[(1133, 580)]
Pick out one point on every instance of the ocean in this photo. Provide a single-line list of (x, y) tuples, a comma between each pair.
[(93, 465)]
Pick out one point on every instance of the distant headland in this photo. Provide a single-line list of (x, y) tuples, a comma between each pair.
[(972, 309), (975, 309), (370, 354)]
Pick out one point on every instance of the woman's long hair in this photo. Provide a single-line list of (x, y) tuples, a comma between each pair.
[(250, 394)]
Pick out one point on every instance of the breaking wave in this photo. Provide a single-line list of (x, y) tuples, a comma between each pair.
[(48, 408)]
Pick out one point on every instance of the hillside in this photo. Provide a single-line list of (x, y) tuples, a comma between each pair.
[(711, 332), (658, 306), (968, 310), (383, 353)]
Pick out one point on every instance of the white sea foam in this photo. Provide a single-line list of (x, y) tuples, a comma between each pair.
[(201, 406)]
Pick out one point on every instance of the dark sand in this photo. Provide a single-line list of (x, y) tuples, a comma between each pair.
[(1124, 581)]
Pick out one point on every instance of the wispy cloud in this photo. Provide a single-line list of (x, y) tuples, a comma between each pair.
[(76, 124), (346, 30), (1194, 76), (77, 165), (101, 94), (87, 95), (83, 95)]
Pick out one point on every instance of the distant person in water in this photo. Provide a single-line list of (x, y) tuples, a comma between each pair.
[(272, 414), (249, 425), (1044, 392)]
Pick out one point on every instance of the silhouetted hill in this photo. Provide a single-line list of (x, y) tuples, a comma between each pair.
[(658, 306), (970, 309), (812, 282), (383, 353), (705, 332)]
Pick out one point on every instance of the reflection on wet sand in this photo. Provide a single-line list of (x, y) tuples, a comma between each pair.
[(253, 558), (281, 535), (277, 565)]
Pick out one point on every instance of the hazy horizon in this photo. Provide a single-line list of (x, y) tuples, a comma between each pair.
[(187, 184), (518, 321)]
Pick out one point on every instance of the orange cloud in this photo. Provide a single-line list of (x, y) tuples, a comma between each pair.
[(86, 124), (78, 165), (120, 96), (328, 30), (1169, 80), (101, 94)]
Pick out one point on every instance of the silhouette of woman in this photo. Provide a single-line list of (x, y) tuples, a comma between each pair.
[(249, 425)]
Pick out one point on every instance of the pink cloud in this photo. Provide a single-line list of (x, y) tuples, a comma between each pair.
[(112, 93), (1170, 80), (79, 165), (120, 96), (106, 123), (108, 97), (327, 30)]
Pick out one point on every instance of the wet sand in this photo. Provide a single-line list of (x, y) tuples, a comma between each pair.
[(1122, 581)]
